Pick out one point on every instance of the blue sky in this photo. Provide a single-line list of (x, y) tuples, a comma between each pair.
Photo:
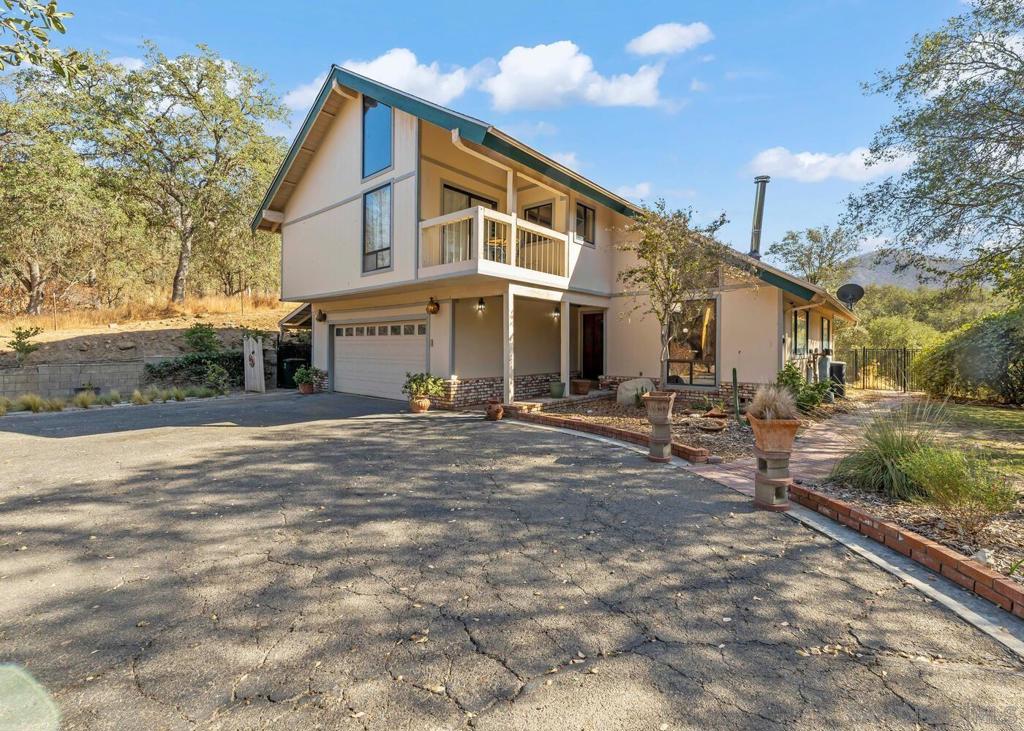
[(689, 111)]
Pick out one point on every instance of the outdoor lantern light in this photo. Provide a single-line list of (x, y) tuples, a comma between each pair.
[(433, 307), (321, 316), (557, 312), (481, 305)]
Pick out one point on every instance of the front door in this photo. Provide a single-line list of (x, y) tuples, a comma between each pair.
[(592, 362)]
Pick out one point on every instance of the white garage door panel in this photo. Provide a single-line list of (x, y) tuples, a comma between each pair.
[(375, 365)]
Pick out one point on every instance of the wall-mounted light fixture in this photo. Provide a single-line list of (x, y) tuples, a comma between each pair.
[(321, 316), (557, 312), (481, 305), (433, 307)]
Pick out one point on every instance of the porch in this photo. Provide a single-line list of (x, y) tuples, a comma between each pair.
[(513, 345)]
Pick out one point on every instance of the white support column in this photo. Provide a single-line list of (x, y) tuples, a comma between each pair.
[(508, 362), (563, 316)]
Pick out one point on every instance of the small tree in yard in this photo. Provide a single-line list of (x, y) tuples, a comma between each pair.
[(21, 342), (677, 266)]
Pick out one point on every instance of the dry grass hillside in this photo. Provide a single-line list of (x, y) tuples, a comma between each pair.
[(139, 330)]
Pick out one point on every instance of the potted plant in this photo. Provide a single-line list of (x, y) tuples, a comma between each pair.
[(557, 389), (420, 387), (308, 378), (772, 416), (579, 387)]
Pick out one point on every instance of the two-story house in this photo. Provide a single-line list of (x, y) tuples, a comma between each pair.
[(426, 240)]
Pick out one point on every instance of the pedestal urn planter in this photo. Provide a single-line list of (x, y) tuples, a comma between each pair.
[(774, 435), (419, 404), (773, 444), (659, 413)]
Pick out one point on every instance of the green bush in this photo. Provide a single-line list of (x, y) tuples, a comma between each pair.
[(202, 338), (190, 369), (4, 405), (216, 379), (178, 394), (808, 395), (418, 385), (199, 392), (311, 374), (21, 342), (982, 360), (964, 488), (877, 461)]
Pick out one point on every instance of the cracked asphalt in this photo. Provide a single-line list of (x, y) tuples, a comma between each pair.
[(327, 562)]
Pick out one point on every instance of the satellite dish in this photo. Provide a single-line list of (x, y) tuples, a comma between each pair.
[(850, 294)]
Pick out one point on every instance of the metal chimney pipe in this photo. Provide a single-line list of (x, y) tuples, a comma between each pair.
[(760, 183)]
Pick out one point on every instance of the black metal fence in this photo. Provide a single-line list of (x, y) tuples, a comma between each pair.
[(884, 369)]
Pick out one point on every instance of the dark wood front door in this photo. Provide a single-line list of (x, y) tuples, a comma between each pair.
[(592, 363)]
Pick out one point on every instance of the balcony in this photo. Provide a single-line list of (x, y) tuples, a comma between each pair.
[(484, 241)]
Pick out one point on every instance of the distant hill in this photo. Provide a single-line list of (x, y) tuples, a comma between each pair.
[(866, 271)]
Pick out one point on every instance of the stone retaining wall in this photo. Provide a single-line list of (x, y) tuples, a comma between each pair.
[(61, 379)]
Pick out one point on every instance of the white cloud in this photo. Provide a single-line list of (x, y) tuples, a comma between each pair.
[(398, 68), (129, 63), (669, 38), (698, 85), (569, 159), (635, 192), (549, 75), (814, 167)]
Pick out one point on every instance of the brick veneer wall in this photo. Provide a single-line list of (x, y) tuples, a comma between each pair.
[(971, 575), (459, 392), (723, 391)]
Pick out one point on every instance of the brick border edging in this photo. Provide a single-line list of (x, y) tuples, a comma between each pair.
[(691, 454), (968, 573)]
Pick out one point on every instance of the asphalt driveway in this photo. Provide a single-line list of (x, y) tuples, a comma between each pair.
[(328, 562)]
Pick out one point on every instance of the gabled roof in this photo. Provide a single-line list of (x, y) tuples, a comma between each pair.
[(326, 106)]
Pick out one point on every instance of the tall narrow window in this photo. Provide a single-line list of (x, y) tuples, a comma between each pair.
[(376, 136), (693, 350), (801, 320), (377, 229), (826, 334), (586, 223)]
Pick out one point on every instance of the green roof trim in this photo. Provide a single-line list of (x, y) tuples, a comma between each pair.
[(470, 129)]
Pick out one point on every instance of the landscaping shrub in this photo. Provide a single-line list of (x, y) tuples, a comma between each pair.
[(808, 395), (190, 369), (199, 392), (84, 399), (216, 379), (202, 338), (4, 405), (982, 360), (418, 385), (139, 398), (21, 342), (877, 461), (54, 404), (964, 488), (31, 402), (178, 394)]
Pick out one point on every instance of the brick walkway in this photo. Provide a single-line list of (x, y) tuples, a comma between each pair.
[(816, 451)]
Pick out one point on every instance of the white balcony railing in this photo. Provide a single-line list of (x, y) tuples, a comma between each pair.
[(480, 233)]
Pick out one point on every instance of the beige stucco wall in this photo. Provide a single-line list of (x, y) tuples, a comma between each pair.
[(322, 249), (478, 338)]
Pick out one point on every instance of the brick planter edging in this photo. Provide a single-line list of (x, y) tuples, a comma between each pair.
[(692, 454), (973, 576)]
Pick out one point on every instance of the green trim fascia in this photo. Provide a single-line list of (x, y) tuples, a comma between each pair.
[(520, 155), (785, 284)]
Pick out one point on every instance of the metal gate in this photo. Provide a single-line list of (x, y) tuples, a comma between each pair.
[(883, 369)]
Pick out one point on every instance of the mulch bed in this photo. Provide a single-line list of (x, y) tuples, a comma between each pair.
[(730, 440), (1004, 536)]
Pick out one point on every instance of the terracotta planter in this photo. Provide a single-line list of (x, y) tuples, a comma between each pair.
[(774, 435), (580, 387), (419, 404), (495, 410), (306, 388), (557, 389), (659, 406)]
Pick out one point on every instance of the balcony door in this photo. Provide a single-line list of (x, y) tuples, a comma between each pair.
[(457, 238)]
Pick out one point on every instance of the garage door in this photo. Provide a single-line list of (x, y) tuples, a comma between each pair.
[(372, 358)]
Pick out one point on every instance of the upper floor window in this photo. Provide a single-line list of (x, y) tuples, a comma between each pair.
[(377, 229), (801, 322), (376, 136), (586, 223), (542, 214)]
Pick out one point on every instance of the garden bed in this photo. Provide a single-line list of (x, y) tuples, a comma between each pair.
[(732, 442)]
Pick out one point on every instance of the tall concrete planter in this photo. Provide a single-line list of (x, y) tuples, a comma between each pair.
[(659, 414), (773, 444)]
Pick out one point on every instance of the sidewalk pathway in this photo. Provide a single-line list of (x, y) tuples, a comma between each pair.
[(817, 449)]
